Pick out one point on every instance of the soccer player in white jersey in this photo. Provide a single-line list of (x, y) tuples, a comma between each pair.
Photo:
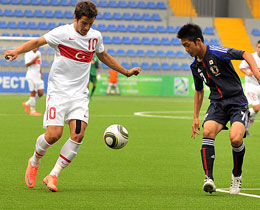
[(67, 94), (252, 88), (35, 80)]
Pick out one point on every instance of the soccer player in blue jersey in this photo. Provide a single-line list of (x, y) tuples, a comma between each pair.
[(212, 65)]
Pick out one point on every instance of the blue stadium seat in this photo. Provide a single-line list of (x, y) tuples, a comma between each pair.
[(150, 53), (99, 16), (68, 14), (3, 62), (15, 63), (155, 41), (5, 2), (126, 40), (131, 28), (141, 29), (8, 13), (58, 14), (51, 25), (25, 2), (140, 53), (126, 16), (185, 66), (130, 53), (122, 4), (41, 49), (103, 3), (165, 41), (180, 54), (161, 29), (121, 28), (134, 64), (170, 53), (18, 13), (132, 4), (116, 16), (136, 16), (175, 66), (31, 25), (42, 26), (36, 35), (25, 35), (111, 28), (35, 2), (120, 52), (45, 63), (54, 3), (16, 35), (111, 52), (255, 32), (151, 5), (44, 2), (112, 4), (156, 17), (136, 40), (206, 41), (155, 66), (38, 13), (14, 2), (64, 3), (5, 34), (160, 5), (145, 66), (101, 27), (126, 65), (176, 42), (165, 66), (150, 29), (214, 42), (107, 16), (74, 2), (28, 13), (160, 53), (116, 40), (104, 66), (146, 17), (22, 63), (106, 40), (141, 5), (3, 25), (11, 24), (146, 40), (1, 13), (170, 29), (209, 31), (22, 25), (48, 14)]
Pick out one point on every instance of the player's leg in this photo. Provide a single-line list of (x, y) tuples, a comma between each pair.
[(109, 88), (44, 141), (117, 89), (31, 99), (210, 130)]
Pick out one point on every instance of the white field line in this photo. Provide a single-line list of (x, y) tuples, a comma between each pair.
[(243, 194)]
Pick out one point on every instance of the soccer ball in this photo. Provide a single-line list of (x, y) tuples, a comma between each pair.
[(116, 136)]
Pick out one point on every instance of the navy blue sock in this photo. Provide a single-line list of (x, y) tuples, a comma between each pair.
[(208, 156), (238, 157)]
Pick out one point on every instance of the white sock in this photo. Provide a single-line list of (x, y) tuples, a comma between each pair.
[(32, 104), (67, 154), (40, 149), (251, 117)]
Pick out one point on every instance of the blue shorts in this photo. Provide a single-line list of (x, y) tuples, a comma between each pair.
[(234, 109)]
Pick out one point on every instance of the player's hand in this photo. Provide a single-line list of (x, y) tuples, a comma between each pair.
[(195, 128), (133, 71), (10, 55)]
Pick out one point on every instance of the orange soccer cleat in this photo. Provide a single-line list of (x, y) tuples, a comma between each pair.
[(51, 182), (35, 114), (26, 107), (30, 174)]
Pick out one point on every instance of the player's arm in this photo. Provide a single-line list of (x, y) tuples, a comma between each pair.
[(246, 72), (198, 99), (26, 47), (251, 62), (112, 63)]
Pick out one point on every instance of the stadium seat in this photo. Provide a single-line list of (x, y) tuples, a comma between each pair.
[(4, 2), (3, 25), (134, 64), (1, 13), (141, 5), (151, 5), (131, 28), (28, 13), (214, 42), (126, 16), (102, 27), (3, 62), (22, 25), (104, 66), (136, 40), (160, 5), (42, 26), (141, 29), (54, 3), (18, 13), (132, 4), (161, 29), (116, 16), (175, 67), (155, 41), (170, 53), (36, 35), (206, 41), (255, 32), (107, 16), (38, 13), (112, 4), (103, 3), (14, 2), (185, 67), (22, 63), (165, 41), (121, 28), (64, 3), (136, 16), (160, 53), (150, 53), (126, 65), (116, 40), (155, 66), (170, 29), (111, 28), (120, 52), (180, 54), (25, 2), (208, 31), (165, 66), (8, 13), (176, 41), (51, 25), (111, 52), (145, 66), (150, 29), (146, 17), (99, 16), (16, 35), (140, 53), (130, 53), (15, 63), (146, 40), (106, 40), (31, 25), (11, 24), (25, 35), (156, 17), (68, 14), (122, 4), (48, 14), (44, 2), (35, 2), (126, 40), (58, 14)]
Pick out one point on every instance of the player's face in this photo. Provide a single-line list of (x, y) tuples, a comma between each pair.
[(258, 49), (191, 47), (83, 25)]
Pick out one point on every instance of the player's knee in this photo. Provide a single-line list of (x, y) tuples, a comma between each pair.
[(77, 137), (207, 133), (52, 137), (40, 94), (236, 142)]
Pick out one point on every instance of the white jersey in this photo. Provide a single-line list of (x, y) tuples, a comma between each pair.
[(33, 71), (69, 74), (244, 65)]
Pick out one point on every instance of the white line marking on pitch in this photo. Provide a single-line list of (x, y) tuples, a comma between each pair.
[(244, 194)]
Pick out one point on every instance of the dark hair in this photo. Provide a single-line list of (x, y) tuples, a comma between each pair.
[(191, 32), (258, 42), (85, 8)]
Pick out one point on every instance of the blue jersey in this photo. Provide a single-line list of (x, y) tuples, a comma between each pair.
[(218, 73)]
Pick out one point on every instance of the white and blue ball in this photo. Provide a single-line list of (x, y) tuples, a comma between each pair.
[(116, 136)]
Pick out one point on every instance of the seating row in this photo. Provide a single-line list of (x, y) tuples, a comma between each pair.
[(16, 63), (101, 3)]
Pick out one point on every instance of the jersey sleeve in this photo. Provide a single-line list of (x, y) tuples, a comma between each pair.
[(100, 46), (27, 58), (227, 54), (53, 37), (243, 65)]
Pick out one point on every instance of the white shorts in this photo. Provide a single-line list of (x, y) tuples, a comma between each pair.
[(35, 85), (252, 93), (60, 110)]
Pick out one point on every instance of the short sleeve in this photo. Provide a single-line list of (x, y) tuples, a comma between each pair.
[(100, 46), (53, 37)]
